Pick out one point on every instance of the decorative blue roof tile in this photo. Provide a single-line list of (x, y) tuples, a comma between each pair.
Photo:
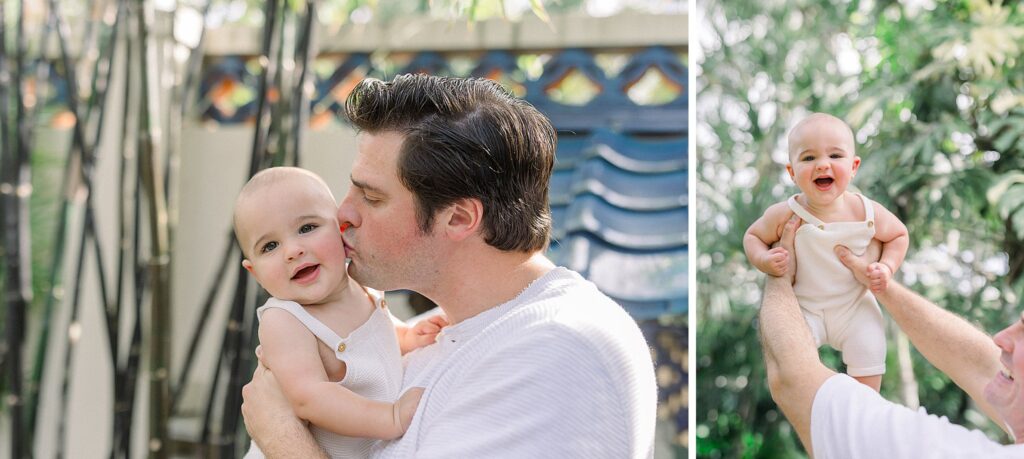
[(635, 278), (626, 228), (628, 190), (636, 155), (560, 191), (570, 149)]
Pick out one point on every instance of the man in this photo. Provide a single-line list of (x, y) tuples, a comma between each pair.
[(835, 416), (449, 199)]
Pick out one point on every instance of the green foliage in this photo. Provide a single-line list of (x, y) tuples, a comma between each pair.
[(936, 99)]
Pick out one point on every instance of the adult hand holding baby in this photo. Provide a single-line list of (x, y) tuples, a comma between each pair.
[(785, 245), (863, 267), (264, 407)]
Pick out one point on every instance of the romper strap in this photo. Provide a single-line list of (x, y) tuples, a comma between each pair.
[(801, 212), (869, 209), (322, 332)]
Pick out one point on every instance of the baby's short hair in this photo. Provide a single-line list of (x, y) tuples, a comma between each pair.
[(818, 116), (270, 176)]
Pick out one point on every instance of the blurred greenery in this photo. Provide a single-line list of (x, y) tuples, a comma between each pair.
[(934, 90)]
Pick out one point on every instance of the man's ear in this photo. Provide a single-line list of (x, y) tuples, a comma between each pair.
[(463, 218), (247, 265)]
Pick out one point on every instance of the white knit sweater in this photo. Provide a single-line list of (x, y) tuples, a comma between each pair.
[(559, 371)]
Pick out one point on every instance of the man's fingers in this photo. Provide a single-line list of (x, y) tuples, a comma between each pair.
[(789, 232), (847, 257)]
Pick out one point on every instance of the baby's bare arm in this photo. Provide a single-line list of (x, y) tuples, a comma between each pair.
[(893, 235), (764, 232), (290, 351)]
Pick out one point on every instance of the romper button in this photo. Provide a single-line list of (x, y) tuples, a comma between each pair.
[(821, 227), (341, 347), (871, 223), (383, 303)]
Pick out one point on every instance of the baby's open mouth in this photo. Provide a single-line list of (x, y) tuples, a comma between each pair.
[(823, 181), (305, 272)]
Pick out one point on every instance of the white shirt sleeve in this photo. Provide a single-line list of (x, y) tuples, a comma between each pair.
[(530, 400), (849, 420)]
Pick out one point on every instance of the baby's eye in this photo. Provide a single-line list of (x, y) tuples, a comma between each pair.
[(836, 155), (307, 228), (268, 247), (807, 158)]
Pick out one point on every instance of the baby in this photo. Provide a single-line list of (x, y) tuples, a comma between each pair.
[(838, 309), (332, 344)]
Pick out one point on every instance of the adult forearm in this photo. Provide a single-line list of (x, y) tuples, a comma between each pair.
[(291, 439), (784, 333), (949, 342), (791, 358)]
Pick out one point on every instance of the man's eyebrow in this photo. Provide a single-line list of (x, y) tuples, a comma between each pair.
[(365, 186)]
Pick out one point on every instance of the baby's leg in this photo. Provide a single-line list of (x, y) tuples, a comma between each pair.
[(862, 341), (816, 322)]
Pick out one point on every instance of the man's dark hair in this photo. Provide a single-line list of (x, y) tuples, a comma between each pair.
[(466, 138)]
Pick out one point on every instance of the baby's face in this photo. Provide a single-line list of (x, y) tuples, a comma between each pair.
[(292, 243), (822, 159)]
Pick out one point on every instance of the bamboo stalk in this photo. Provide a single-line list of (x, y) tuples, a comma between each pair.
[(266, 75), (18, 275), (150, 149), (123, 403), (197, 333), (85, 169), (12, 296), (131, 371), (53, 285), (300, 108)]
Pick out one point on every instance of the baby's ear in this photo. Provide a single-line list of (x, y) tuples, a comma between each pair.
[(856, 163), (247, 265), (789, 168)]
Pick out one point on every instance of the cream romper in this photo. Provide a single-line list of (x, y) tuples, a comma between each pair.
[(839, 310), (373, 363)]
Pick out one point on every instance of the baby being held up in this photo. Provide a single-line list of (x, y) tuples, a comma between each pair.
[(839, 310), (332, 345)]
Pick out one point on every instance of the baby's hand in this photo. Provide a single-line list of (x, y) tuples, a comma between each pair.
[(774, 261), (405, 408), (878, 277), (425, 331)]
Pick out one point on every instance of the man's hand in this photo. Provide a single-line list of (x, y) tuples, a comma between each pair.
[(775, 261), (788, 270), (264, 407), (859, 265), (879, 275)]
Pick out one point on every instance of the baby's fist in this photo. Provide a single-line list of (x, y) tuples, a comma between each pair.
[(775, 261), (878, 277)]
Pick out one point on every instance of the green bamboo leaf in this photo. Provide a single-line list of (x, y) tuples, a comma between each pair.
[(996, 192), (540, 11)]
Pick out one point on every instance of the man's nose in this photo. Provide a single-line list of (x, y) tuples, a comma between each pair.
[(347, 214)]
